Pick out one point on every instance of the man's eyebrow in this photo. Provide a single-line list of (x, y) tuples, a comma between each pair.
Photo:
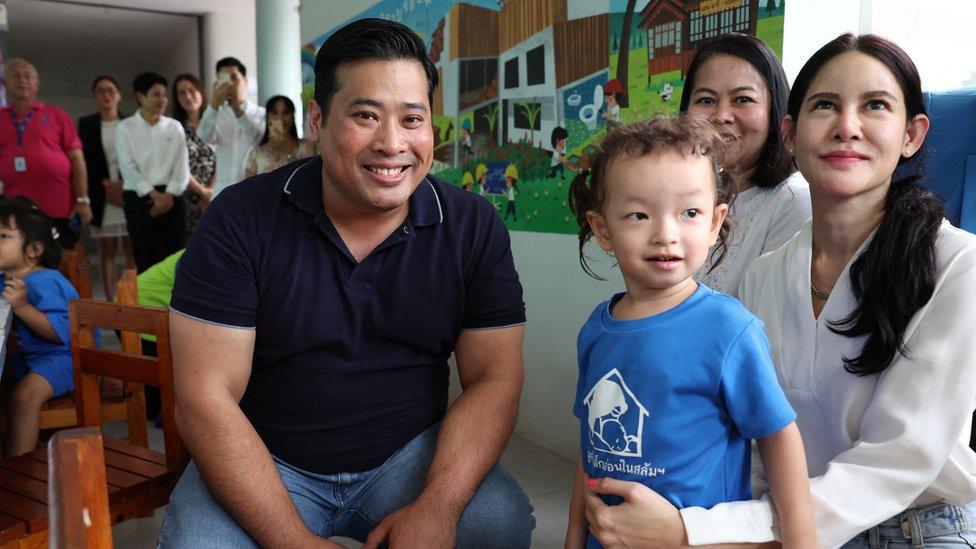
[(366, 102)]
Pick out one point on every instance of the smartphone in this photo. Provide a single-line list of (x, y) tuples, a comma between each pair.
[(276, 126), (223, 77)]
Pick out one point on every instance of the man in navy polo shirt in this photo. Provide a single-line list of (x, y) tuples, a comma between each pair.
[(314, 312)]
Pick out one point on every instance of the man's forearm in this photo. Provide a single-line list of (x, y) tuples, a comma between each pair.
[(79, 173), (468, 446), (240, 473)]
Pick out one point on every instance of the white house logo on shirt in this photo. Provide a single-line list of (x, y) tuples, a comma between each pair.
[(615, 416)]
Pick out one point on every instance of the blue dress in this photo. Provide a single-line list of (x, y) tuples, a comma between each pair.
[(49, 292)]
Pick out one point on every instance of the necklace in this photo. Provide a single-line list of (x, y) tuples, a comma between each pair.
[(817, 293)]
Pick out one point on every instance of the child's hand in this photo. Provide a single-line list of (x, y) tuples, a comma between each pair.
[(15, 292)]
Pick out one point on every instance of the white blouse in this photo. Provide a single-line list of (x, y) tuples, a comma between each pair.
[(875, 445), (762, 220)]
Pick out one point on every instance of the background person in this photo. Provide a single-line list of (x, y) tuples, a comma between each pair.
[(737, 83), (280, 144), (40, 154), (97, 132), (155, 169), (231, 122), (188, 109)]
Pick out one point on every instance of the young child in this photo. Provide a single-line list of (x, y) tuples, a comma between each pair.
[(674, 378), (38, 295)]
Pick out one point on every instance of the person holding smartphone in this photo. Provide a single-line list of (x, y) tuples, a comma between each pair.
[(280, 144), (231, 122)]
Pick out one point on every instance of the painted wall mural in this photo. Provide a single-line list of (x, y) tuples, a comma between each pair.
[(528, 86)]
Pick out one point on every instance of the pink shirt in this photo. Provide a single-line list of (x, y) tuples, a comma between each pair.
[(49, 135)]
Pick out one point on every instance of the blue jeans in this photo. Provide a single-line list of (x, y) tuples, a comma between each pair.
[(352, 504), (938, 525)]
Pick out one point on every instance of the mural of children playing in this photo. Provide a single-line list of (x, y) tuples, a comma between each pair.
[(511, 189), (559, 162), (467, 181), (612, 95), (481, 176)]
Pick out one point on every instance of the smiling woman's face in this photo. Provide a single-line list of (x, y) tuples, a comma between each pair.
[(733, 96)]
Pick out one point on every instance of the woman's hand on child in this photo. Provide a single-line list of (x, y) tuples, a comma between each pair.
[(15, 292), (644, 519)]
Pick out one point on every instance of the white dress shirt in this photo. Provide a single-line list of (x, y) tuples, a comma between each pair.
[(233, 136), (151, 155), (875, 445), (762, 220)]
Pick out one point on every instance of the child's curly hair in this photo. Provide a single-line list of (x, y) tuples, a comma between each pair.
[(682, 134), (23, 215)]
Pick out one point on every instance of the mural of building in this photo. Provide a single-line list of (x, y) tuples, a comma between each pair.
[(675, 27)]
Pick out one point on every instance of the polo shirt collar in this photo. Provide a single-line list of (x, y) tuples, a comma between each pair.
[(304, 188), (36, 106)]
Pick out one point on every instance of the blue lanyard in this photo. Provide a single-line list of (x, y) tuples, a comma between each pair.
[(21, 125)]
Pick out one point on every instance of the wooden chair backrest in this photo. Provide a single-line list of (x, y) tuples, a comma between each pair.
[(91, 362), (74, 266), (127, 293), (78, 515)]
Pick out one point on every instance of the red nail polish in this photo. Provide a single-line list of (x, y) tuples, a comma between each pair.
[(591, 483)]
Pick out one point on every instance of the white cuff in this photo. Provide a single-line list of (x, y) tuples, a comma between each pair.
[(734, 522)]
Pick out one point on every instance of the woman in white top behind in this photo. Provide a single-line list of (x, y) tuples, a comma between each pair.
[(738, 84), (869, 314)]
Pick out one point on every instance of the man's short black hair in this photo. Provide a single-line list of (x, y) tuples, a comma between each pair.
[(146, 80), (367, 39), (231, 62)]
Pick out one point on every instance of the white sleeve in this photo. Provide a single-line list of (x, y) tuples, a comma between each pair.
[(919, 409), (180, 176), (253, 123), (208, 125), (917, 414), (793, 212), (128, 168)]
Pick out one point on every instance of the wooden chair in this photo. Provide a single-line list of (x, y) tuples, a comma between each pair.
[(78, 515), (74, 266), (129, 404), (139, 480)]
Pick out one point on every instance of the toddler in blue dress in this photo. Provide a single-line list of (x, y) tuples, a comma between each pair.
[(38, 296)]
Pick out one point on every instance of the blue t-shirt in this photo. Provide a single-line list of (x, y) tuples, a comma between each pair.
[(672, 400), (49, 292)]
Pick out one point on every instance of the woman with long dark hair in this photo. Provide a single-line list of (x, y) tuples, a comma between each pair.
[(737, 83), (868, 311), (191, 99), (280, 144)]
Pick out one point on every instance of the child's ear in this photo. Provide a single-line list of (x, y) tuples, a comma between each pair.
[(718, 217), (599, 227), (35, 250)]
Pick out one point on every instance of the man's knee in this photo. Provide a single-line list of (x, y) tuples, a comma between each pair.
[(195, 519), (499, 514)]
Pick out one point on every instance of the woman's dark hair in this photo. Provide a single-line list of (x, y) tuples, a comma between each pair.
[(684, 135), (36, 227), (775, 164), (144, 82), (363, 40), (101, 77), (289, 106), (895, 276), (179, 113)]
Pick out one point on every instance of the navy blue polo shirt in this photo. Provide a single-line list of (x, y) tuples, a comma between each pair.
[(350, 359)]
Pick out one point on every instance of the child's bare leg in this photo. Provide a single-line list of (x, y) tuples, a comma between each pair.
[(24, 414)]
